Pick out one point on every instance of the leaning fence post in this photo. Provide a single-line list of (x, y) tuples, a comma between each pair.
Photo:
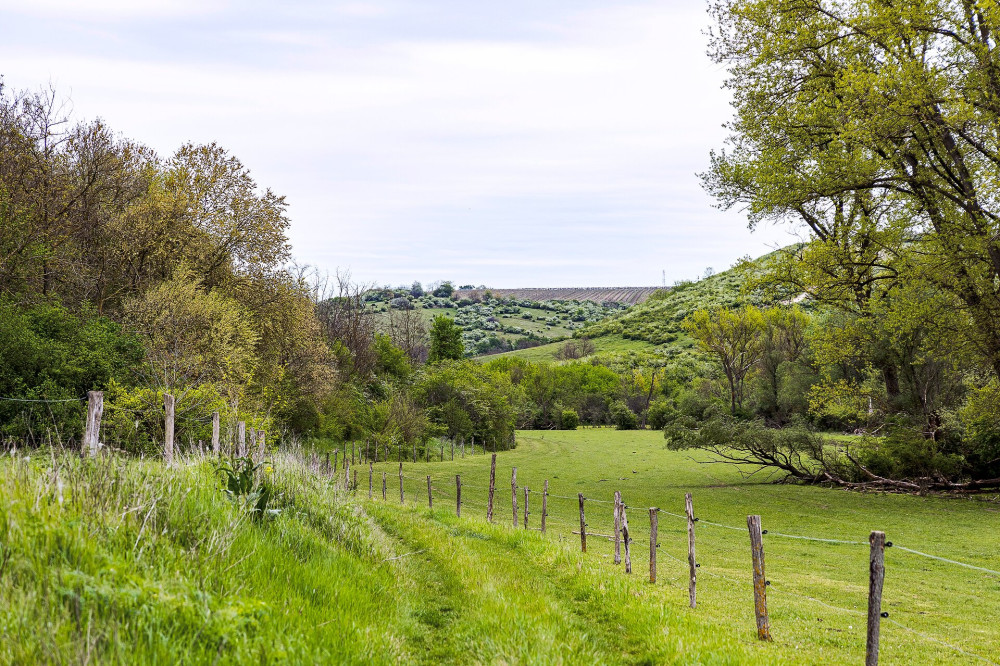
[(626, 539), (583, 527), (401, 483), (383, 486), (618, 527), (692, 562), (215, 433), (759, 580), (430, 500), (95, 408), (493, 483), (526, 491), (545, 503), (876, 575), (458, 495), (653, 544), (513, 492), (241, 439), (168, 440)]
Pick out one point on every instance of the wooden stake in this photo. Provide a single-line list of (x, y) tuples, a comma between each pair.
[(876, 576), (261, 444), (618, 527), (168, 440), (241, 439), (442, 451), (513, 492), (526, 491), (653, 545), (347, 471), (583, 527), (95, 409), (759, 580), (383, 486), (545, 503), (355, 486), (626, 539), (414, 450), (371, 479), (215, 433), (452, 450), (458, 495), (473, 444), (326, 466), (401, 483), (430, 499), (493, 484), (335, 452), (692, 562)]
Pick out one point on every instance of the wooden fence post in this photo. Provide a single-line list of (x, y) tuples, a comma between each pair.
[(401, 483), (692, 562), (473, 444), (442, 452), (513, 492), (354, 487), (545, 503), (371, 479), (347, 471), (493, 483), (335, 452), (526, 491), (262, 444), (95, 409), (430, 499), (626, 539), (653, 544), (168, 440), (876, 576), (252, 440), (383, 486), (352, 451), (583, 527), (414, 450), (215, 433), (759, 580), (452, 440), (326, 465), (618, 527), (458, 495), (241, 438), (463, 447)]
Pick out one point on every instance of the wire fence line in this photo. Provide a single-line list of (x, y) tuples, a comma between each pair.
[(561, 525)]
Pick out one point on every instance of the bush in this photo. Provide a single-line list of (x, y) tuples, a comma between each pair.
[(622, 417), (569, 419), (660, 413)]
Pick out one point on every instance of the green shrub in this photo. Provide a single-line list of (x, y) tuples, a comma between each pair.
[(569, 419), (622, 417), (660, 413)]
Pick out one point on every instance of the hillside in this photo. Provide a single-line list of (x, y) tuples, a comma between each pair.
[(628, 295)]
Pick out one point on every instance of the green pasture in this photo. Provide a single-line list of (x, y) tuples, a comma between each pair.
[(818, 593), (603, 344)]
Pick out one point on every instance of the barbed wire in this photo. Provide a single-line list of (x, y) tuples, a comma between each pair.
[(945, 559)]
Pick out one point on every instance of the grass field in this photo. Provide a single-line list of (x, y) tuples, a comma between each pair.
[(604, 344), (818, 595), (126, 561)]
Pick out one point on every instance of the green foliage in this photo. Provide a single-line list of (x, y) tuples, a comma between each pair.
[(446, 340), (391, 361), (569, 420), (622, 417), (250, 493), (660, 413), (905, 453)]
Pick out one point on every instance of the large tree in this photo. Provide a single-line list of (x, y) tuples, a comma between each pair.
[(874, 125)]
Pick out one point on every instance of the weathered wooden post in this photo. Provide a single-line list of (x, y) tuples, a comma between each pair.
[(545, 503), (626, 539), (252, 437), (876, 576), (261, 444), (401, 483), (653, 544), (347, 471), (473, 445), (452, 440), (326, 465), (493, 483), (759, 580), (442, 452), (215, 433), (463, 447), (618, 527), (352, 451), (354, 486), (513, 492), (526, 491), (335, 452), (92, 435), (371, 479), (241, 439), (692, 562), (430, 499), (458, 495), (168, 438), (583, 527), (383, 486)]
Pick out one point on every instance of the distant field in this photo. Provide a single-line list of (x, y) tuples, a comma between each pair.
[(604, 344), (630, 295)]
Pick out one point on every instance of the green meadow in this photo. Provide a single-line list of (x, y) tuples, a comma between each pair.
[(121, 560)]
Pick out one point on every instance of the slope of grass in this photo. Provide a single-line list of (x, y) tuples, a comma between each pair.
[(818, 596), (119, 561), (608, 344)]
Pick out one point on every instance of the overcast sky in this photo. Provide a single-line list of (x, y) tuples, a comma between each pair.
[(515, 143)]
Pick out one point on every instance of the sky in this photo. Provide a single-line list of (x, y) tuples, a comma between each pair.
[(524, 143)]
